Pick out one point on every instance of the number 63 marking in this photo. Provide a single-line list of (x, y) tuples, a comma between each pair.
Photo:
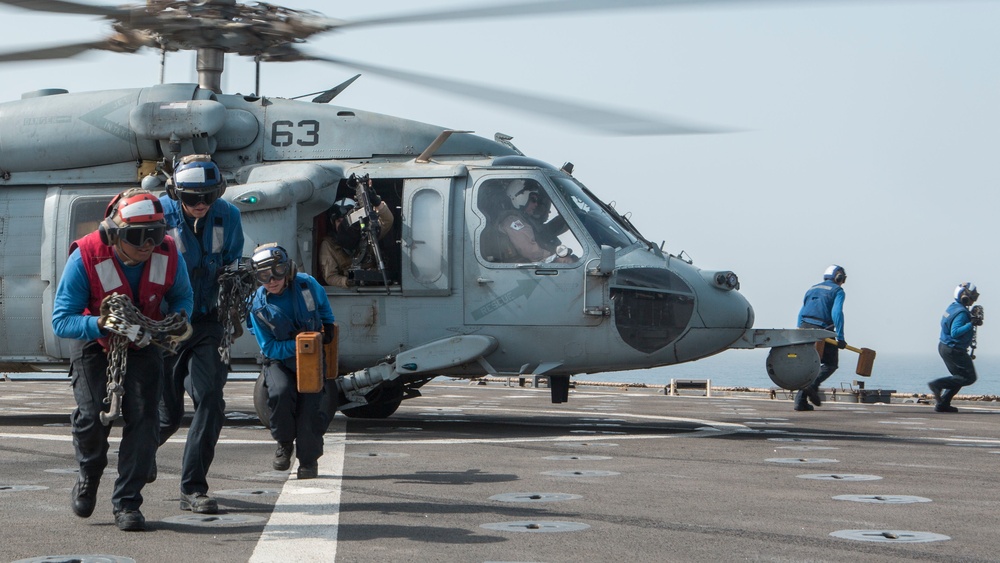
[(283, 133)]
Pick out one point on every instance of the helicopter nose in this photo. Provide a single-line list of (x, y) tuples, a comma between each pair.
[(725, 316), (720, 305)]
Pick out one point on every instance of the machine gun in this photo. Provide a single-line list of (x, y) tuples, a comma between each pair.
[(977, 320), (370, 230)]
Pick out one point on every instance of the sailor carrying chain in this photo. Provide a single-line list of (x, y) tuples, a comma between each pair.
[(127, 324), (236, 287)]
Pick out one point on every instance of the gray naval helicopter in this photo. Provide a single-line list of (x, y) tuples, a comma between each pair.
[(450, 293)]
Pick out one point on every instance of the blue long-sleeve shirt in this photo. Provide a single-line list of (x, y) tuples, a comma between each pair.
[(73, 297), (282, 347), (823, 306), (956, 326), (218, 243)]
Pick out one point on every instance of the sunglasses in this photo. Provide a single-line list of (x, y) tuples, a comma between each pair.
[(193, 199), (139, 236), (278, 271)]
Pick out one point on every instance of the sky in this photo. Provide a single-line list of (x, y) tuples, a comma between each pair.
[(866, 133)]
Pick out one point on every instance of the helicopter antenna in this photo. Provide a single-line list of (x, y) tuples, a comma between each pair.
[(256, 81)]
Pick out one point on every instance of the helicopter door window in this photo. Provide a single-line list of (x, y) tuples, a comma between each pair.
[(522, 225), (86, 215)]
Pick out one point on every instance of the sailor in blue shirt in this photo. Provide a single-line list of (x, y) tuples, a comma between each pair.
[(286, 304), (957, 330), (823, 307), (209, 233)]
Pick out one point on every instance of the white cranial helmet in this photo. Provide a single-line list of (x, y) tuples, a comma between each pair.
[(518, 193)]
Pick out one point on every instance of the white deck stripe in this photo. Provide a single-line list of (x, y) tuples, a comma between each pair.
[(303, 526)]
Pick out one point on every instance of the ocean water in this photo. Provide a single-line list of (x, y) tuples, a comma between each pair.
[(746, 368)]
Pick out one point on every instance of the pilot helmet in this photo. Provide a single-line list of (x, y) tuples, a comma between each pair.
[(966, 293), (271, 261), (835, 273), (196, 180), (134, 216), (518, 192), (341, 208)]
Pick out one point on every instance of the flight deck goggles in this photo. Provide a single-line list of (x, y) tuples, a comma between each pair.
[(191, 199), (139, 236), (277, 271)]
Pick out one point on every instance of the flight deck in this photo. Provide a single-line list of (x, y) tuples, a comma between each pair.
[(496, 472)]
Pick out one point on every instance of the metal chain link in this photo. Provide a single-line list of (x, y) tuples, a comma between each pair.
[(976, 313), (117, 358), (236, 287), (122, 317)]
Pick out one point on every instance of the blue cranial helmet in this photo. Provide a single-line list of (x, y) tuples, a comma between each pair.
[(196, 175), (835, 273)]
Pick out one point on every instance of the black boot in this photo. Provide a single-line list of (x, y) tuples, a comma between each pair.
[(84, 495), (283, 456), (308, 470)]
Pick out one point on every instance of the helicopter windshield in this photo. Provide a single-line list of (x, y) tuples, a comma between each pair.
[(604, 227)]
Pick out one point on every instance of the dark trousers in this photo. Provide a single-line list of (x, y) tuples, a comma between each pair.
[(295, 416), (962, 371), (197, 369), (140, 432), (829, 361)]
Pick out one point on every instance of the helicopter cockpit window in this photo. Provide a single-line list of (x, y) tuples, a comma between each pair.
[(522, 225), (605, 229)]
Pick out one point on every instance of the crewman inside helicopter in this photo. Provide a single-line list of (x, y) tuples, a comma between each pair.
[(525, 227), (344, 241)]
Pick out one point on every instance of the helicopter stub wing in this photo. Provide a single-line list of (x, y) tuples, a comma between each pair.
[(429, 358), (794, 360), (776, 337)]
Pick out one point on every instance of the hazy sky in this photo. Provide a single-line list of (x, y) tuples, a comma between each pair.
[(870, 131)]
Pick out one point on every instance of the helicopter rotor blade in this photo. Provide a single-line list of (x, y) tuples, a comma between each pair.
[(56, 52), (543, 7), (65, 7), (597, 118)]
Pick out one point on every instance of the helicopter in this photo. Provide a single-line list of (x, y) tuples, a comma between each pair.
[(444, 301)]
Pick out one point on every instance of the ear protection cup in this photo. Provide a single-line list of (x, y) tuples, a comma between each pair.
[(840, 276), (966, 294), (171, 189), (108, 232)]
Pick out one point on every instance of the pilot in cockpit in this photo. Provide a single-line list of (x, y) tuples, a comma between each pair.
[(526, 232)]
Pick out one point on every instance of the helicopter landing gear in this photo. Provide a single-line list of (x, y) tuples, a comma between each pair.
[(382, 406), (333, 401)]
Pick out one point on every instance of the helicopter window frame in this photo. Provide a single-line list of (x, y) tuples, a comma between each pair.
[(601, 227), (568, 232)]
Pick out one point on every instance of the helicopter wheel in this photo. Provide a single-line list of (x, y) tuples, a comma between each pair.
[(383, 407), (260, 401)]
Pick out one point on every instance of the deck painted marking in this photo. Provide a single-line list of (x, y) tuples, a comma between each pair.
[(304, 523)]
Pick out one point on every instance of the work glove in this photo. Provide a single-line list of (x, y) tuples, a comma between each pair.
[(374, 199), (841, 344), (977, 321), (328, 333), (134, 333), (105, 312)]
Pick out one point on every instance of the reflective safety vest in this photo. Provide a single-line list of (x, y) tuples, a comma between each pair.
[(106, 277)]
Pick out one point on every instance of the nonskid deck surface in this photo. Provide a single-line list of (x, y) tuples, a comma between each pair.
[(498, 473)]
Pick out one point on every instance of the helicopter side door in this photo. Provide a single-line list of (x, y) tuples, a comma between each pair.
[(524, 263), (70, 213)]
